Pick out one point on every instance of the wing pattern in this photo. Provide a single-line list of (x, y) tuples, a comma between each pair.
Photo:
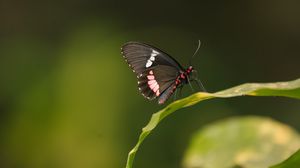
[(156, 71)]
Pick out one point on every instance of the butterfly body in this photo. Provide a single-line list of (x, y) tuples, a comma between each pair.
[(158, 74)]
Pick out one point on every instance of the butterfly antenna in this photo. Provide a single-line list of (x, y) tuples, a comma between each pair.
[(199, 45), (180, 93)]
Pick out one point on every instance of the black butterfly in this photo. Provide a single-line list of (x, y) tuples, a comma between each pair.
[(158, 74)]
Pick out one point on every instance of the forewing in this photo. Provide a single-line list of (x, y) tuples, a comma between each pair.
[(141, 57)]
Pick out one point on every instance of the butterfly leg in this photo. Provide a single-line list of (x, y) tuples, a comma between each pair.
[(189, 81), (180, 93), (200, 85), (175, 95)]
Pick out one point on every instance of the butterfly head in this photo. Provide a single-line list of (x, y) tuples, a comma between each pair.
[(189, 69), (188, 73), (191, 72), (193, 76)]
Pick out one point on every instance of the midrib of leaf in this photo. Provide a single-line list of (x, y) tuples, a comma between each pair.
[(287, 89)]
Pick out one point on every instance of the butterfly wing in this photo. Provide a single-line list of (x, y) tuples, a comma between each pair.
[(154, 81), (141, 56), (167, 93), (156, 71)]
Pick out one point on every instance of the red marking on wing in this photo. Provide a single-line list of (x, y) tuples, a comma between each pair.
[(152, 86), (155, 89), (152, 83), (182, 76), (157, 93), (150, 77)]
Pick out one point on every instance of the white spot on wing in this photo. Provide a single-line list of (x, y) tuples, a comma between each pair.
[(149, 63), (140, 75), (155, 52), (152, 58)]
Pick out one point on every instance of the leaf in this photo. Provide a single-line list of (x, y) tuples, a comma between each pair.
[(252, 142), (288, 89), (292, 162)]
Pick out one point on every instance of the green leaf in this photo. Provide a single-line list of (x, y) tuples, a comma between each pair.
[(252, 142), (292, 162), (288, 89)]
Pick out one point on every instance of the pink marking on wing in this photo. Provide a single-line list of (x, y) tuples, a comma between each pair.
[(157, 93), (155, 88), (161, 101), (151, 72), (150, 77), (152, 86), (150, 82)]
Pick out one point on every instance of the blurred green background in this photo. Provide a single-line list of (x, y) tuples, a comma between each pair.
[(69, 100)]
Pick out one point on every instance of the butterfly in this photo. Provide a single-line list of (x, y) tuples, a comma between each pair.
[(158, 74)]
